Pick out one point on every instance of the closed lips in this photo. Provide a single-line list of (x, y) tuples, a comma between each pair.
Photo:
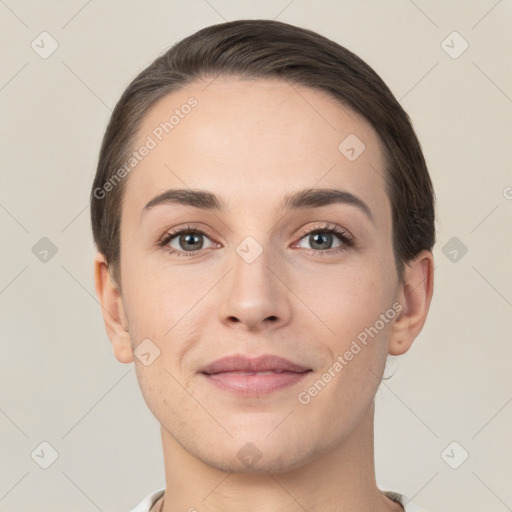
[(269, 372), (243, 365)]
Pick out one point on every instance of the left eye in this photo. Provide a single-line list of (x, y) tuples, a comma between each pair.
[(320, 239)]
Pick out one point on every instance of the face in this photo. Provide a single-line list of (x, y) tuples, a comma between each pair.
[(256, 278)]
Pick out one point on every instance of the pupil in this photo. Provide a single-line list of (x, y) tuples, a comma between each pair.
[(187, 238), (321, 237)]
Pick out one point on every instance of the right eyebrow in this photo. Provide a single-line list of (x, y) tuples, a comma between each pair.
[(187, 197)]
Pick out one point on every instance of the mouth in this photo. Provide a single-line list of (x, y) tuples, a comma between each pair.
[(255, 383), (245, 376), (270, 372), (264, 363)]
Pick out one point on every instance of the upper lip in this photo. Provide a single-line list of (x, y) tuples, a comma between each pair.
[(264, 363)]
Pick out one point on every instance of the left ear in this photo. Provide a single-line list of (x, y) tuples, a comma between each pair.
[(415, 294)]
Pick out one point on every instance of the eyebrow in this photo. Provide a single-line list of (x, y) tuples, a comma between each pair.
[(303, 199)]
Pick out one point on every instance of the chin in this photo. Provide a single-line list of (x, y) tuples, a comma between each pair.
[(268, 462), (259, 454)]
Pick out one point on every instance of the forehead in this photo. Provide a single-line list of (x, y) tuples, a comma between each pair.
[(251, 140)]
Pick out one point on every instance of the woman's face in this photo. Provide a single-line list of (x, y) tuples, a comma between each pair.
[(256, 280)]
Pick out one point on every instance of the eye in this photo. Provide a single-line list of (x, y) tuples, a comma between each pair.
[(321, 239), (186, 241), (189, 240)]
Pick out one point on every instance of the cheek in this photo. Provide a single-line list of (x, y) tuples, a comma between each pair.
[(346, 299), (165, 306), (351, 304), (151, 291)]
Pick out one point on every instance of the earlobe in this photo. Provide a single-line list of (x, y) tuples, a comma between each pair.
[(414, 297), (113, 312)]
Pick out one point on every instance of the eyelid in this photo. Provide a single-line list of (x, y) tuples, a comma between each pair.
[(329, 227), (171, 233)]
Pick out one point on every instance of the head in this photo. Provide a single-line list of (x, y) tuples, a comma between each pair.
[(250, 119)]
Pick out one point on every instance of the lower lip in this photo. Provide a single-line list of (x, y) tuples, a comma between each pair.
[(254, 385)]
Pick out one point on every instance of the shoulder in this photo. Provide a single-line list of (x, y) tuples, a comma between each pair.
[(408, 505), (146, 504)]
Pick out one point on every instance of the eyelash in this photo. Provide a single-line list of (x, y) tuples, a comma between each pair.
[(347, 239)]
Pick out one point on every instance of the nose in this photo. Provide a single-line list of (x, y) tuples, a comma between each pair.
[(254, 296)]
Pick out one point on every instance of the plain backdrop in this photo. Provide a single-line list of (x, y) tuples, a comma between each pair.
[(443, 421)]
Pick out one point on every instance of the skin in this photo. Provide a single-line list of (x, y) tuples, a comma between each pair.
[(250, 142)]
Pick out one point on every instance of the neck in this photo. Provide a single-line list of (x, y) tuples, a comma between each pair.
[(340, 479)]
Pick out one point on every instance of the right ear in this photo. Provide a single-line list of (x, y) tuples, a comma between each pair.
[(112, 307)]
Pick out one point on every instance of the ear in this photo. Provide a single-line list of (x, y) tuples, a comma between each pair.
[(114, 316), (415, 294)]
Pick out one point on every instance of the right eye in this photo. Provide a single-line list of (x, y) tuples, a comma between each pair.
[(185, 241)]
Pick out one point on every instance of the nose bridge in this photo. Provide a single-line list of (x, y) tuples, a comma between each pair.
[(252, 260), (252, 246), (252, 293)]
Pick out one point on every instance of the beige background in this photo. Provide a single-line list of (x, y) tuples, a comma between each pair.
[(59, 381)]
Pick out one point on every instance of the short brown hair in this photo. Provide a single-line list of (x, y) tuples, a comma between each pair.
[(272, 49)]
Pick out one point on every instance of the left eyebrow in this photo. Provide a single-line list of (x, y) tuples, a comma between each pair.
[(300, 200), (318, 197)]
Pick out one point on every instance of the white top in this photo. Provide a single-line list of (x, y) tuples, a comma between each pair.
[(146, 504)]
